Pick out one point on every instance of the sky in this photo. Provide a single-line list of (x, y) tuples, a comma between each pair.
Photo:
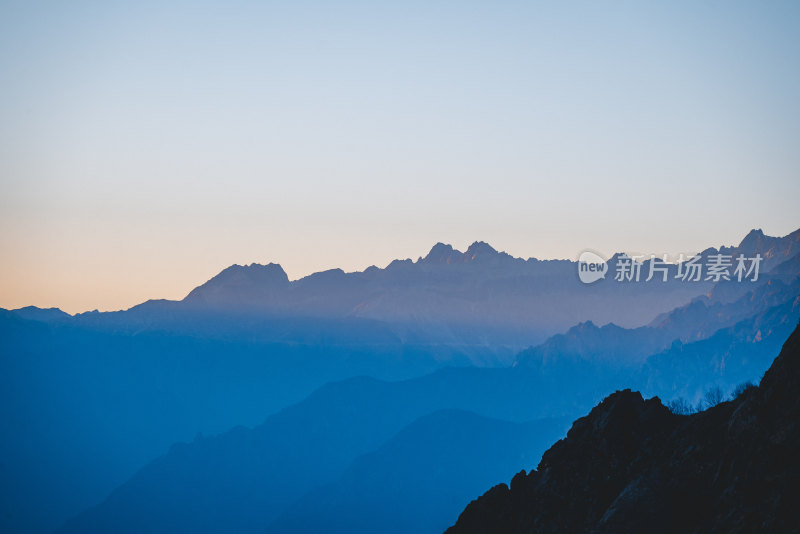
[(145, 146)]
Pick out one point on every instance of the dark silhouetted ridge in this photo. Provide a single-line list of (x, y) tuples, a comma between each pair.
[(633, 466)]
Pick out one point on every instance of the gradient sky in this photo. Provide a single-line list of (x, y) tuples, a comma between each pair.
[(146, 146)]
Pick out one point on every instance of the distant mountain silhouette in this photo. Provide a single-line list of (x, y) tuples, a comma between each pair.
[(480, 297), (683, 351), (477, 298), (42, 314), (239, 285), (252, 475), (775, 250), (633, 466)]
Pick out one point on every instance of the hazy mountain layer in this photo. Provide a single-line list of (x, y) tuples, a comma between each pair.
[(360, 414), (422, 477), (87, 400)]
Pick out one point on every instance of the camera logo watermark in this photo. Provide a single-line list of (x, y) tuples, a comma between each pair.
[(692, 268)]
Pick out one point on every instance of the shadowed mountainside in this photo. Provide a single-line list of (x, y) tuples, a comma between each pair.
[(633, 466), (432, 467), (252, 475)]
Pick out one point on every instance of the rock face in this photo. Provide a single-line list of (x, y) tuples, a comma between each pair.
[(633, 466)]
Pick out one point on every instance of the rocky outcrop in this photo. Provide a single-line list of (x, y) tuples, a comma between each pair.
[(632, 466)]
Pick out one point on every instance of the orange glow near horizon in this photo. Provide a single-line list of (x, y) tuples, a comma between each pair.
[(145, 147)]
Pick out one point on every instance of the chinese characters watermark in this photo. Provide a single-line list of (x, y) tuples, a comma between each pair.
[(710, 268)]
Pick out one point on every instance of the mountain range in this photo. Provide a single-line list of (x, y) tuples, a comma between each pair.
[(148, 400)]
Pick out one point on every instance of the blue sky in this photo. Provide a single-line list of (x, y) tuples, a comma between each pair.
[(145, 146)]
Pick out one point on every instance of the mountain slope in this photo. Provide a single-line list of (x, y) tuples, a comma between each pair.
[(731, 356), (433, 467), (633, 466), (687, 349), (252, 475)]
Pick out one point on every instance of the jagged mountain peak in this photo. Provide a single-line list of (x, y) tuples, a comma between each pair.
[(442, 253), (752, 236), (255, 273), (772, 249), (254, 269), (480, 248), (618, 417), (241, 283)]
